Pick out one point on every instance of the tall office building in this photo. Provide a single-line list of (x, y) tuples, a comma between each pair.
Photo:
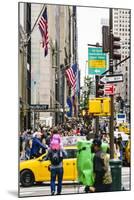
[(121, 28), (48, 82), (42, 78), (42, 71)]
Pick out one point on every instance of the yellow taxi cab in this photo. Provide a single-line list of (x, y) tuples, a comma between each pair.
[(37, 170), (124, 127)]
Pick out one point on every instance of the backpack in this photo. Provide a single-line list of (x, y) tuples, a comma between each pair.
[(56, 157), (55, 142), (107, 178)]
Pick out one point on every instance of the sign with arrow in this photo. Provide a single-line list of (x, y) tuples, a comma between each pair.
[(114, 78), (97, 61)]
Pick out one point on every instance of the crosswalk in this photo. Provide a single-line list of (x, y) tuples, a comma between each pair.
[(44, 190)]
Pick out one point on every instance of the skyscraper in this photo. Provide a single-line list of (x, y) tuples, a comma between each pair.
[(121, 28)]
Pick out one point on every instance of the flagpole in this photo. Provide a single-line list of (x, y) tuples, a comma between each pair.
[(36, 22)]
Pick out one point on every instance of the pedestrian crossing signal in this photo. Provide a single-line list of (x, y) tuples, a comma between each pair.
[(100, 106)]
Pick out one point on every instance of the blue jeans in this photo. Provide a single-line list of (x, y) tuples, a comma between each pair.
[(56, 172), (121, 155)]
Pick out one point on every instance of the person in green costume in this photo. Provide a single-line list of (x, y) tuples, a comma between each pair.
[(85, 163)]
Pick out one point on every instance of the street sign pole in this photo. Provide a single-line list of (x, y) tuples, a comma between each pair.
[(97, 117), (111, 72)]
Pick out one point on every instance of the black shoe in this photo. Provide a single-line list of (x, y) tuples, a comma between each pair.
[(86, 189), (52, 193), (58, 193)]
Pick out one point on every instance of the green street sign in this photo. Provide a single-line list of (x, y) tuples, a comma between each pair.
[(97, 61)]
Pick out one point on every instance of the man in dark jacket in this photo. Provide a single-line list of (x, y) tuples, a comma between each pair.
[(101, 168), (36, 145)]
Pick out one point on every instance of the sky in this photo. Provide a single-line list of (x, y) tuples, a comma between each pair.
[(89, 23)]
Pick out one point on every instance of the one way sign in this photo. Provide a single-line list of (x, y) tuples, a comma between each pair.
[(114, 78)]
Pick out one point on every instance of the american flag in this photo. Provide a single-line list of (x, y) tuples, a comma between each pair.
[(43, 26), (71, 74)]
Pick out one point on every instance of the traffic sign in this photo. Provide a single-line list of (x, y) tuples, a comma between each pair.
[(97, 61), (109, 89), (114, 78)]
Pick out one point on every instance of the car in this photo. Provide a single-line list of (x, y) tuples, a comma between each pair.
[(124, 127), (37, 170)]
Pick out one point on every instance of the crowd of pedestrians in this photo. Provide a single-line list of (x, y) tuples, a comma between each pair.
[(35, 143)]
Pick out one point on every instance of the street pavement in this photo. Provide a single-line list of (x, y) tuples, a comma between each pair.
[(44, 189), (126, 178)]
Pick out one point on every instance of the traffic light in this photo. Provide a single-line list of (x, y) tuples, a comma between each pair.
[(105, 39), (116, 46), (99, 87), (121, 104), (99, 90)]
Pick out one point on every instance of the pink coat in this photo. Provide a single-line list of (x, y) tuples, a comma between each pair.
[(55, 142)]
